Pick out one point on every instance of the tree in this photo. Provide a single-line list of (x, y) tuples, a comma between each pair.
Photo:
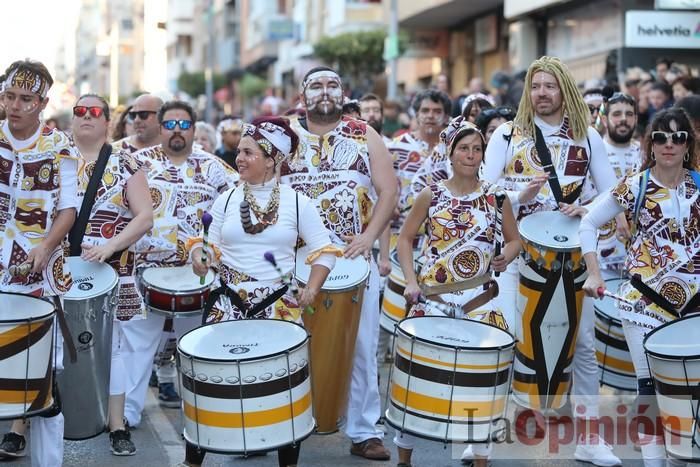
[(194, 84), (357, 56)]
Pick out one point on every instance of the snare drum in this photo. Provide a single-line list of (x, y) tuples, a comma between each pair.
[(552, 273), (175, 291), (334, 326), (245, 385), (673, 353), (450, 379), (26, 363), (614, 360), (89, 308), (394, 303)]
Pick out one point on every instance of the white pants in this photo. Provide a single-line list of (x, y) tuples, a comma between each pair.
[(167, 372), (47, 433), (584, 366), (117, 373), (364, 407)]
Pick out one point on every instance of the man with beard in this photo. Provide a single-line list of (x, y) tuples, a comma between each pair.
[(372, 111), (553, 105), (339, 162), (625, 159), (146, 127), (410, 150), (183, 184)]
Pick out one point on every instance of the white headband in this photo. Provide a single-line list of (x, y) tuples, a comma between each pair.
[(330, 74), (589, 98)]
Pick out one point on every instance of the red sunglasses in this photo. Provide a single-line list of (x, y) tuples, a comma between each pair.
[(81, 110)]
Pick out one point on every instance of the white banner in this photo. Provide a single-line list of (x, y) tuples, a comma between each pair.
[(662, 29)]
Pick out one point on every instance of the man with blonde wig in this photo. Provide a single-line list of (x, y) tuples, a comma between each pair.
[(553, 113)]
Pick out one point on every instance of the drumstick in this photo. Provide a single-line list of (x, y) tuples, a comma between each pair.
[(286, 279), (499, 223), (206, 222), (602, 292)]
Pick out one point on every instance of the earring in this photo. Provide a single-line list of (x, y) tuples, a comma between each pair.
[(653, 157), (686, 158)]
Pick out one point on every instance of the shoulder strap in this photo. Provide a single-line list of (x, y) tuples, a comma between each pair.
[(296, 244), (641, 194), (546, 159), (696, 178), (77, 232)]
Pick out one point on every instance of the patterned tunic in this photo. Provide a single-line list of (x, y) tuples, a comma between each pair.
[(408, 154), (109, 216), (460, 245), (625, 162), (31, 190), (333, 170), (666, 250), (181, 194), (433, 169)]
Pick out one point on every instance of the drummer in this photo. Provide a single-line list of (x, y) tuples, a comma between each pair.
[(261, 217), (183, 184), (462, 228), (34, 238), (119, 213), (553, 104), (661, 204)]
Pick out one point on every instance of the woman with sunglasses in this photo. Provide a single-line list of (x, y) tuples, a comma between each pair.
[(662, 205), (259, 217), (121, 214), (462, 231)]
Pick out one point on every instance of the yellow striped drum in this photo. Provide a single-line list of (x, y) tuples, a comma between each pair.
[(245, 385), (614, 360), (394, 304), (549, 306), (450, 378), (26, 363), (673, 353)]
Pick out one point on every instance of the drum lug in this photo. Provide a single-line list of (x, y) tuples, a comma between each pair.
[(327, 302), (540, 261), (556, 265), (172, 303), (569, 265), (355, 299)]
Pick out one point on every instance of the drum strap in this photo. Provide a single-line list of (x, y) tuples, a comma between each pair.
[(546, 159), (65, 330), (77, 232), (489, 293), (637, 282), (239, 303)]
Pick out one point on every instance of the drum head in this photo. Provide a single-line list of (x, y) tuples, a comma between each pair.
[(176, 279), (675, 340), (552, 230), (346, 274), (242, 340), (608, 306), (456, 333), (17, 307), (89, 279)]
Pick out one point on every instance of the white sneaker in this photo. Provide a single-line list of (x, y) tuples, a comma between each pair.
[(596, 451), (467, 455)]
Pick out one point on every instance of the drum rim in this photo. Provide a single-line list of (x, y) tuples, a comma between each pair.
[(665, 356), (348, 288), (150, 286), (458, 347), (248, 359), (433, 438), (34, 318), (297, 440), (528, 239), (114, 282)]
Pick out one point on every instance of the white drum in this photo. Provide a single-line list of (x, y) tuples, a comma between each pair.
[(175, 291), (26, 363), (394, 304), (673, 353), (347, 274), (549, 304), (450, 379), (614, 360), (89, 307), (245, 385)]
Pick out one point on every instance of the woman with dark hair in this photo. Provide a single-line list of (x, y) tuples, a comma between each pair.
[(662, 206), (441, 205), (121, 128), (490, 119), (473, 105)]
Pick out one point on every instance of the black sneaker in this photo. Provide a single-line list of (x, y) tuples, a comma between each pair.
[(153, 380), (12, 446), (120, 443), (168, 396)]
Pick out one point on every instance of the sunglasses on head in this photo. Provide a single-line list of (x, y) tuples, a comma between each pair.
[(171, 124), (661, 137), (505, 112), (142, 114), (621, 97), (81, 110)]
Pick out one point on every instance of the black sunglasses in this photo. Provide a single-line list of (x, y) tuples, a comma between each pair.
[(593, 108), (621, 97), (661, 137), (142, 114), (505, 112)]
